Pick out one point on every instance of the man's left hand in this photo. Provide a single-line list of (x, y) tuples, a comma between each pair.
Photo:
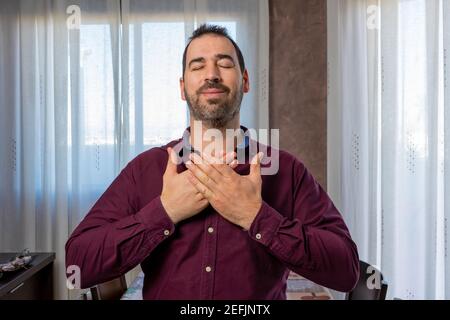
[(237, 198)]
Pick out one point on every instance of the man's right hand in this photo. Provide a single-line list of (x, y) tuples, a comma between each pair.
[(179, 198)]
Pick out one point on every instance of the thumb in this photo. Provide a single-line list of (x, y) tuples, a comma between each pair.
[(255, 166), (171, 167)]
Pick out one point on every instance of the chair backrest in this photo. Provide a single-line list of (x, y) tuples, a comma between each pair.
[(371, 284), (110, 290)]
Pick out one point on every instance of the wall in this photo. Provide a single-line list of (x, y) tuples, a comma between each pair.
[(298, 80)]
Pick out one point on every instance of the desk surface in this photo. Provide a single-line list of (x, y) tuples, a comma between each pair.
[(10, 280), (298, 288)]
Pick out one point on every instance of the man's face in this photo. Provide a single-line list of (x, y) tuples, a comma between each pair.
[(213, 83)]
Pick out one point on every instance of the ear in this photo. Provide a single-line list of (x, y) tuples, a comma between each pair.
[(246, 81), (183, 97)]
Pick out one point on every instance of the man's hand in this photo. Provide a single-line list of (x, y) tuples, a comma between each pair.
[(237, 198), (178, 197)]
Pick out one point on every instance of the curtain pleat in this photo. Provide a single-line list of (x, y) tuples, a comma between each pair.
[(388, 137), (85, 86)]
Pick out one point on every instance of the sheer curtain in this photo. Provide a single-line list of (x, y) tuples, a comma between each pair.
[(389, 137), (87, 85)]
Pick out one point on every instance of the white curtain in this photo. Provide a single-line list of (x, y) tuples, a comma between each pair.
[(78, 101), (389, 137)]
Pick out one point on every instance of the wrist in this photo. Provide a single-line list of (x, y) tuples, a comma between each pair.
[(253, 211), (170, 212)]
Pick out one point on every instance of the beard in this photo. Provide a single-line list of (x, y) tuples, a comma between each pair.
[(216, 112)]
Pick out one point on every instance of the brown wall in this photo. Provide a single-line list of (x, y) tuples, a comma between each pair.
[(298, 80)]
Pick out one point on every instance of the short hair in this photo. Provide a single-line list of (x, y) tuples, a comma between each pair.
[(217, 30)]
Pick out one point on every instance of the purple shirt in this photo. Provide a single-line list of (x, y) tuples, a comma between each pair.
[(206, 257)]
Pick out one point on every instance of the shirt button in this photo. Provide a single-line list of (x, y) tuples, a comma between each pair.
[(166, 232), (208, 269), (258, 236), (210, 229)]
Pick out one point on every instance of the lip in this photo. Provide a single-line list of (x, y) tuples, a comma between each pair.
[(212, 92)]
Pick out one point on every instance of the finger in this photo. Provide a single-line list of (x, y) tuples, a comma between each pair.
[(224, 158), (209, 158), (171, 167), (201, 175), (255, 165), (204, 190), (230, 161), (234, 164), (199, 196), (207, 169), (226, 169), (229, 157), (224, 166)]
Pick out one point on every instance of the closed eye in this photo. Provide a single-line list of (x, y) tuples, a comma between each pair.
[(196, 67), (226, 63)]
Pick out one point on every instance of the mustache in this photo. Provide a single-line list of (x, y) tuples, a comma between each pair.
[(213, 85)]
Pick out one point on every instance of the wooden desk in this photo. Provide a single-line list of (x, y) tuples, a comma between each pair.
[(36, 282)]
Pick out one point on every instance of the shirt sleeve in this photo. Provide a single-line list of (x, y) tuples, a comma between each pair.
[(114, 237), (315, 242)]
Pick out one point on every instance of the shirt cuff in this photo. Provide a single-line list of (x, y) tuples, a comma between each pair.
[(265, 225), (155, 218)]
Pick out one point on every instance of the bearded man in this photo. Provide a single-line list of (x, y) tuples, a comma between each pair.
[(208, 225)]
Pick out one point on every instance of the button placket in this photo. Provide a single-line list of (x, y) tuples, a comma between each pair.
[(209, 258)]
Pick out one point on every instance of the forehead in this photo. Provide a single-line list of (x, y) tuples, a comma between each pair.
[(209, 45)]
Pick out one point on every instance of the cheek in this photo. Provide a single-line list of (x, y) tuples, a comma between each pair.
[(191, 86), (234, 83), (189, 90)]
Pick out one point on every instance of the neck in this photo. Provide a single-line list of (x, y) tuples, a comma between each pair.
[(213, 141)]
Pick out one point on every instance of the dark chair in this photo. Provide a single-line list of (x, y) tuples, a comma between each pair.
[(362, 290), (110, 290)]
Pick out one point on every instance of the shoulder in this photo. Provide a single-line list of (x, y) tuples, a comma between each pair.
[(281, 162)]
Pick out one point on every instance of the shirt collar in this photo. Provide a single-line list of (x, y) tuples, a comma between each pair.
[(187, 148)]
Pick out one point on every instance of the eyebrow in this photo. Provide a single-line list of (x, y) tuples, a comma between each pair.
[(219, 56), (224, 56), (200, 59)]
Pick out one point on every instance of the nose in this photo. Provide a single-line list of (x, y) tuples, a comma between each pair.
[(212, 74), (213, 80)]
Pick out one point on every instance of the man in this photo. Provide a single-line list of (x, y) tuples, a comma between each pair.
[(206, 229)]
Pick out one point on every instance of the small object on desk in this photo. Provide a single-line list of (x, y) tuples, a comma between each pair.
[(30, 278), (20, 261)]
